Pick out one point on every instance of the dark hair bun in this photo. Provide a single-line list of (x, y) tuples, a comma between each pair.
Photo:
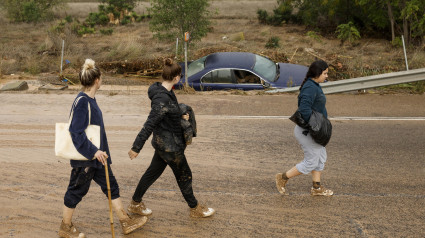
[(168, 62)]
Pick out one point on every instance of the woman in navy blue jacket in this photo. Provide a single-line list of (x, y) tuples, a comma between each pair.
[(84, 171), (311, 98)]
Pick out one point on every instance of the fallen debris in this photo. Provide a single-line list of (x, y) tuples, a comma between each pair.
[(15, 86), (53, 86)]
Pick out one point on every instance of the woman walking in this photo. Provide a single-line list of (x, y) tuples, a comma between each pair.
[(83, 172), (164, 121), (311, 98)]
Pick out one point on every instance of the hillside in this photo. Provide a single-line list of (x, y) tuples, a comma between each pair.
[(29, 50)]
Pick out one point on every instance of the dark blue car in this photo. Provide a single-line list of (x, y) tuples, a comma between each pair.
[(241, 70)]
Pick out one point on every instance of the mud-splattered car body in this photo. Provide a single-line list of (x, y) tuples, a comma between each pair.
[(240, 70)]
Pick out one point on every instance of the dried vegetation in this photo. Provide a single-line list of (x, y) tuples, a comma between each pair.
[(132, 51)]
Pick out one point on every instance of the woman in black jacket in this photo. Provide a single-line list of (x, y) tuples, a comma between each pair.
[(168, 141)]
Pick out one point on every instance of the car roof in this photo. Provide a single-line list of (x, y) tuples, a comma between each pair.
[(240, 60)]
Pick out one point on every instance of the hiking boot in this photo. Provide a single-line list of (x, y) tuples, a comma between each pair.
[(69, 231), (280, 184), (139, 208), (321, 191), (201, 211), (130, 224)]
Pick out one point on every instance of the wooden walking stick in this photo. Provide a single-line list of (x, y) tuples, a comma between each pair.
[(110, 200)]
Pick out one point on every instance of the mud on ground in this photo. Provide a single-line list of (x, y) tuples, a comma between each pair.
[(374, 167)]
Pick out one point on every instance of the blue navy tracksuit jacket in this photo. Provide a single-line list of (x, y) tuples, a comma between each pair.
[(79, 123)]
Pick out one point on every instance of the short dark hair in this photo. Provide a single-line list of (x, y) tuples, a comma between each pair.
[(89, 73), (171, 70)]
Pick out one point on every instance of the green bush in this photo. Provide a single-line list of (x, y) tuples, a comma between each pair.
[(82, 30), (97, 18), (139, 18), (397, 42), (69, 19), (281, 14), (29, 10), (58, 28), (262, 16), (313, 35), (347, 32), (273, 42), (31, 13), (168, 24), (126, 20), (274, 20)]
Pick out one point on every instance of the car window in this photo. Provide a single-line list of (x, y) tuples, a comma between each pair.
[(218, 76), (196, 66), (246, 77), (265, 67)]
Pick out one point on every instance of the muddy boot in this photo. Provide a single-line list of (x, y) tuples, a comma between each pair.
[(139, 208), (132, 223), (281, 184), (69, 231), (322, 191), (201, 211)]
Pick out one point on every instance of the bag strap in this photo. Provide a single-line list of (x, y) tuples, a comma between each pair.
[(72, 110)]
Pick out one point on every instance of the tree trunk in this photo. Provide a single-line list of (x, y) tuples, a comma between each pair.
[(405, 25), (391, 16)]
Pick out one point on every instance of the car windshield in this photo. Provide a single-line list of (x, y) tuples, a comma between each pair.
[(196, 66), (266, 68)]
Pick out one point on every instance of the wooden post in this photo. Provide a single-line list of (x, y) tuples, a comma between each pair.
[(111, 217)]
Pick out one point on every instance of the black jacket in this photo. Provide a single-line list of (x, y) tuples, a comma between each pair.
[(163, 121), (189, 127)]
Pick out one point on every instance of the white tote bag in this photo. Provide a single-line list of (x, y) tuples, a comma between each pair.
[(64, 147)]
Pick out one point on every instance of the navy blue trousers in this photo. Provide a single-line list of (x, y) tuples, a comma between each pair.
[(80, 181)]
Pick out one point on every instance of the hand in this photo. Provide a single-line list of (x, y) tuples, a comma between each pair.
[(186, 116), (101, 156), (132, 154)]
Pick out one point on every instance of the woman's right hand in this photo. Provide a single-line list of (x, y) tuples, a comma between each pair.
[(132, 154), (185, 116), (101, 156)]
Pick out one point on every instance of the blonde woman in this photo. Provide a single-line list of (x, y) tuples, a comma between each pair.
[(83, 172)]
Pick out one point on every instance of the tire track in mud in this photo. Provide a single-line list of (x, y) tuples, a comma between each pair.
[(359, 228)]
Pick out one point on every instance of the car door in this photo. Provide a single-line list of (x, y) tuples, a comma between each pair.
[(218, 79), (246, 80)]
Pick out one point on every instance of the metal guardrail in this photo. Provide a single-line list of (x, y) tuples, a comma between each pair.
[(373, 81)]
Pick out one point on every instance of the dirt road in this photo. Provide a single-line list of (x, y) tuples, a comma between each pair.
[(375, 167)]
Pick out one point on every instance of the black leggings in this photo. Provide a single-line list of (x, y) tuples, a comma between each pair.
[(178, 163)]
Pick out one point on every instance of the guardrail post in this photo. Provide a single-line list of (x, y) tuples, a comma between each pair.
[(405, 55)]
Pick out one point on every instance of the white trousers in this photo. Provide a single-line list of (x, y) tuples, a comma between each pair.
[(314, 154)]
